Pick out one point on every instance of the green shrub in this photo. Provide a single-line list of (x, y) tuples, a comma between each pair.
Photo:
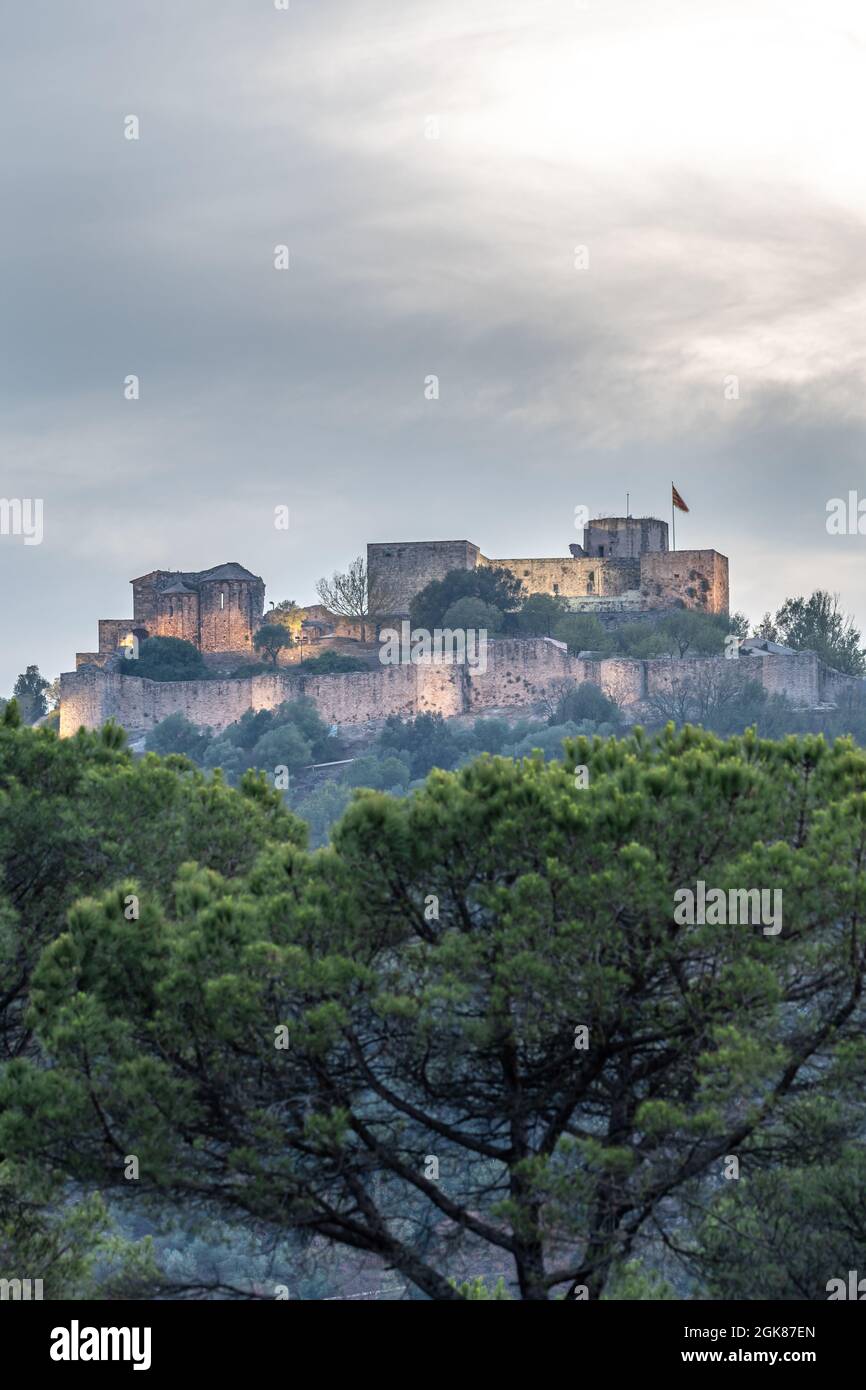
[(177, 734), (331, 663), (585, 701), (167, 659)]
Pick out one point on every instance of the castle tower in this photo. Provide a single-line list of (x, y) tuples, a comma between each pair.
[(231, 604), (623, 538), (177, 612)]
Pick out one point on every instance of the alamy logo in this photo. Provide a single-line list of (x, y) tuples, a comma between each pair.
[(421, 647), (854, 1289), (22, 516), (736, 907), (846, 516), (75, 1343), (20, 1289)]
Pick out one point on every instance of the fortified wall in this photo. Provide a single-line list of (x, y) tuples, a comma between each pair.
[(519, 673)]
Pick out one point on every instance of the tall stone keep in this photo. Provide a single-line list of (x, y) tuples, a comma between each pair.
[(400, 569)]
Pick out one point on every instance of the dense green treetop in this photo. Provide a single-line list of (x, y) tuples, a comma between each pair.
[(167, 659), (272, 638), (492, 585), (293, 1040)]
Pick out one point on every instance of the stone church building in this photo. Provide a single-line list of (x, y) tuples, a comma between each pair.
[(218, 610)]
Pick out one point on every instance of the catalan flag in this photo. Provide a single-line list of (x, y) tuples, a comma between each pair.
[(676, 500)]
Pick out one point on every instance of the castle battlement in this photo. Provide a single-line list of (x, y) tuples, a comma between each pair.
[(620, 556), (519, 672)]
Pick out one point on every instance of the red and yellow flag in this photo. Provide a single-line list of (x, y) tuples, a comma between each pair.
[(677, 500)]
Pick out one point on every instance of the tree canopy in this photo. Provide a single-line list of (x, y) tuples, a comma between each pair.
[(272, 638), (167, 659), (472, 613), (30, 691), (471, 1034), (73, 814), (494, 586), (357, 594), (818, 624)]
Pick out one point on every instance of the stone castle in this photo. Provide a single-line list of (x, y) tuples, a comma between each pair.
[(623, 571), (623, 567)]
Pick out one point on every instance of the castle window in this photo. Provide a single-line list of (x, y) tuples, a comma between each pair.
[(556, 588), (222, 598), (590, 582), (601, 550)]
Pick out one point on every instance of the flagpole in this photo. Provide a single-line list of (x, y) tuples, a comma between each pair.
[(673, 521)]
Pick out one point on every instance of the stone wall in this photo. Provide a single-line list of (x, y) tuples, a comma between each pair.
[(625, 537), (145, 603), (573, 578), (89, 697), (111, 630), (519, 674), (230, 612), (796, 676), (626, 611), (621, 678), (401, 569), (85, 701), (92, 659), (177, 616), (694, 578), (835, 688)]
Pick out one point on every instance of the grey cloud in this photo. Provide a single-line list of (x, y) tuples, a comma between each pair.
[(409, 257)]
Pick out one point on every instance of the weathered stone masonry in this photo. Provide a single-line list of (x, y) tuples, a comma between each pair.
[(519, 673), (218, 610), (622, 571), (623, 561)]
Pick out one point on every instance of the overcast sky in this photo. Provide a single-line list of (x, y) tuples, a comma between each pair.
[(708, 156)]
